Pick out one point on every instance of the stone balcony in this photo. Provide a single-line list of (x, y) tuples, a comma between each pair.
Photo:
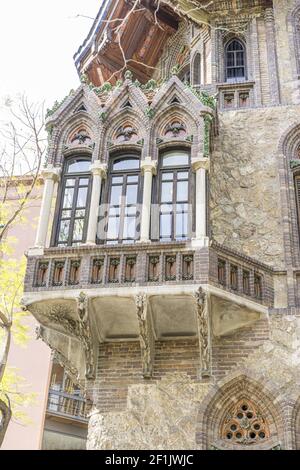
[(87, 295)]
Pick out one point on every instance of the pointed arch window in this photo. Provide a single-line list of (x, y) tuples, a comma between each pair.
[(120, 202), (73, 202), (235, 61), (197, 70)]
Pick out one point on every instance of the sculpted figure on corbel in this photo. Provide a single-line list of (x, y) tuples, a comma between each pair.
[(146, 335), (203, 321), (61, 359), (84, 334)]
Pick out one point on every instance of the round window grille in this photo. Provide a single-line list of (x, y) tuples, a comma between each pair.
[(244, 424)]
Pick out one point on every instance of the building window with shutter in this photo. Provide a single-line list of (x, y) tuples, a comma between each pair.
[(73, 202), (197, 70)]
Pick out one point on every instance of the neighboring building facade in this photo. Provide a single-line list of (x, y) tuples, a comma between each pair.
[(167, 281), (57, 419)]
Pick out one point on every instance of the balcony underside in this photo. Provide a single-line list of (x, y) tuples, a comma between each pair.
[(113, 315)]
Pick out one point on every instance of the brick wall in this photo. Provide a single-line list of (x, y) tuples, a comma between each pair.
[(230, 351), (119, 364)]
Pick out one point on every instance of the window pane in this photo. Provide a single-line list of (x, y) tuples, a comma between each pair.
[(230, 59), (80, 213), (131, 194), (165, 225), (64, 230), (167, 176), (127, 164), (66, 214), (115, 195), (182, 175), (78, 229), (83, 181), (114, 211), (130, 210), (117, 180), (81, 198), (68, 198), (79, 166), (181, 225), (182, 190), (132, 179), (113, 227), (129, 227), (175, 158), (239, 58), (166, 208), (166, 192), (70, 182)]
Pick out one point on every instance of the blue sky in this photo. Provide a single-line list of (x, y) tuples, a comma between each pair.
[(37, 41)]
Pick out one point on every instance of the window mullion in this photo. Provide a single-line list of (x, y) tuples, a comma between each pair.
[(122, 209), (73, 211)]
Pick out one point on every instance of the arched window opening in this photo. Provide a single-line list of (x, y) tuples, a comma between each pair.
[(185, 74), (197, 70), (174, 195), (235, 61), (244, 425), (119, 219), (73, 210)]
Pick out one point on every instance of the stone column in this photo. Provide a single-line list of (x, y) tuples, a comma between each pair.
[(148, 167), (50, 175), (98, 170), (272, 56), (200, 166)]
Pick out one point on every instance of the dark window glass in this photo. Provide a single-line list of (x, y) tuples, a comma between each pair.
[(235, 61), (119, 219), (174, 196), (73, 211)]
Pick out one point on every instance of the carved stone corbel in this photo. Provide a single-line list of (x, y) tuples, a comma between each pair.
[(85, 335), (147, 340), (204, 333), (61, 359)]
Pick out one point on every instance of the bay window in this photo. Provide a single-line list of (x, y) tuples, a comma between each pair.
[(73, 207), (120, 201), (174, 195)]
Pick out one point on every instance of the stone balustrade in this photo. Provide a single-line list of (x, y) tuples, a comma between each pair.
[(150, 264)]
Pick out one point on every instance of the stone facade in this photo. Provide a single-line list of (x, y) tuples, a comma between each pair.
[(194, 343)]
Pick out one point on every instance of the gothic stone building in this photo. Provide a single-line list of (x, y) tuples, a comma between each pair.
[(166, 269)]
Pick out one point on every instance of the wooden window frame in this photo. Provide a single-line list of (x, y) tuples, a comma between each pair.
[(235, 79), (60, 200), (106, 193), (157, 186)]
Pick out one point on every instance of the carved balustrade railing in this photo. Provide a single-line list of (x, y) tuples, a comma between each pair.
[(150, 264)]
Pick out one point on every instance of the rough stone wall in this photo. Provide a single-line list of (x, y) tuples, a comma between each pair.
[(245, 205), (164, 414)]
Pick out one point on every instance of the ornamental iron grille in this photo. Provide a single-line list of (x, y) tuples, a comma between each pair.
[(244, 424)]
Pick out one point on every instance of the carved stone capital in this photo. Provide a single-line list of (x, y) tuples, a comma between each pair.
[(198, 163), (51, 173), (149, 165), (146, 334), (98, 168), (204, 334)]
